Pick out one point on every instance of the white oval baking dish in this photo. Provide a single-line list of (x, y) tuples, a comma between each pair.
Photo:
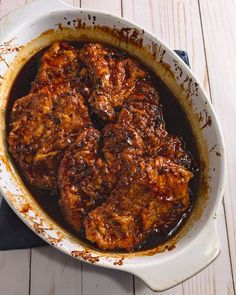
[(34, 26)]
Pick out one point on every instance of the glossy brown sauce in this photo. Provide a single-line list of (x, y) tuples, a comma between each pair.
[(176, 123)]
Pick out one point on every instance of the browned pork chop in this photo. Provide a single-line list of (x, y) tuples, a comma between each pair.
[(149, 195), (46, 121)]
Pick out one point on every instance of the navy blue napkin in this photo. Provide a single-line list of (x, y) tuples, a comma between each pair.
[(14, 234)]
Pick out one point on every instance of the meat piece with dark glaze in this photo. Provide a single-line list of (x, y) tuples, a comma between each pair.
[(83, 178), (45, 122), (43, 126), (59, 65), (114, 78), (121, 145), (150, 195), (142, 113)]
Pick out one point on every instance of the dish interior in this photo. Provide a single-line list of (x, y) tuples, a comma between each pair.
[(176, 121), (79, 26)]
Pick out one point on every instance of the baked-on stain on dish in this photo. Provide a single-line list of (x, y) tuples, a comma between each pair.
[(86, 256), (119, 262), (142, 54)]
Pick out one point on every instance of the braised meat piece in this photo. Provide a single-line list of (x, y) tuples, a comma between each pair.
[(114, 76), (142, 110), (139, 120), (150, 195), (59, 66), (173, 148), (43, 126), (79, 178), (45, 122), (142, 113), (121, 145)]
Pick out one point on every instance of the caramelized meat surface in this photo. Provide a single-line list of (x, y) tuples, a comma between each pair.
[(114, 76), (150, 195), (77, 171), (93, 127), (142, 113), (48, 120), (59, 66), (43, 127)]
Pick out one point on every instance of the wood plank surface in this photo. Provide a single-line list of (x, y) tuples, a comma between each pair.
[(219, 23), (75, 3), (7, 6), (113, 6), (206, 29), (14, 272), (101, 281), (53, 272)]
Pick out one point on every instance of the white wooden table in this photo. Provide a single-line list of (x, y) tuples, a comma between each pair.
[(207, 30)]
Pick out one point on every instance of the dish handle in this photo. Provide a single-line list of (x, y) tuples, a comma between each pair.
[(29, 12), (202, 251)]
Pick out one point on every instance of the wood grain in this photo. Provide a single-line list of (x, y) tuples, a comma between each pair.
[(113, 6), (101, 281), (7, 6), (219, 22), (14, 272), (52, 272), (75, 3)]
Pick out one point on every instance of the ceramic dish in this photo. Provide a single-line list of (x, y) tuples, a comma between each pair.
[(34, 26)]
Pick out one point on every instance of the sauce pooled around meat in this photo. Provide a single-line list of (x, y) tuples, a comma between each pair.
[(103, 145)]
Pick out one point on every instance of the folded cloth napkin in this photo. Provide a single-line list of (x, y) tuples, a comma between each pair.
[(14, 234)]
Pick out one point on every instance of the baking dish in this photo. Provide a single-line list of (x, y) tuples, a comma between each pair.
[(36, 25)]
